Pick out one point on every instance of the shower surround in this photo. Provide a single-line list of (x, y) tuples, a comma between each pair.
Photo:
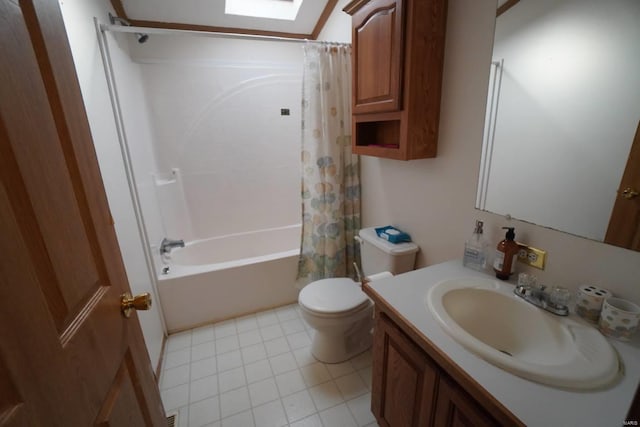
[(225, 116), (226, 113)]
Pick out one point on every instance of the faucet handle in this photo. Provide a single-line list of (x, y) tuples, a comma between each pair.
[(560, 296), (527, 280)]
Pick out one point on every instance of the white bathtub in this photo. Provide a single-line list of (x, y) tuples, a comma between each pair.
[(222, 277)]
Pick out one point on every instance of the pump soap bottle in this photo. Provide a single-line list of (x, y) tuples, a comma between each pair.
[(475, 250), (506, 253)]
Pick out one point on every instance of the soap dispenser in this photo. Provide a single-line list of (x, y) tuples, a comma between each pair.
[(475, 250), (506, 254)]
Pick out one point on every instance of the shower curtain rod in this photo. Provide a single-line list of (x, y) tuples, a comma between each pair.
[(150, 30)]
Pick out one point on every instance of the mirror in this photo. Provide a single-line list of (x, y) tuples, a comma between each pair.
[(562, 111)]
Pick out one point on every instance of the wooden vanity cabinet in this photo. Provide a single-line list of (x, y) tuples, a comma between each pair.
[(398, 55), (410, 389), (404, 379), (454, 407)]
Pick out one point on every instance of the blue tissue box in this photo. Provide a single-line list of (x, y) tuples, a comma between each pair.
[(392, 234)]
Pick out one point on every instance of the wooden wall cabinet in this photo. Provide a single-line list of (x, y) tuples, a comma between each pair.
[(398, 56), (410, 389)]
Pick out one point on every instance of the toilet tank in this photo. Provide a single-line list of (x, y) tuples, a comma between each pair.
[(379, 255)]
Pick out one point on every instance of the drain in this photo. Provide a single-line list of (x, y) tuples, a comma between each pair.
[(506, 352)]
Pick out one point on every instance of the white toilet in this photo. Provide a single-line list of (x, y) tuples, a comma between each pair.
[(338, 310)]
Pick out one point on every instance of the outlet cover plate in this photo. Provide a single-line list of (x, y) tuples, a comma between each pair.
[(532, 256)]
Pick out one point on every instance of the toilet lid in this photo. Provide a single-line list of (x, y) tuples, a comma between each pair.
[(332, 296)]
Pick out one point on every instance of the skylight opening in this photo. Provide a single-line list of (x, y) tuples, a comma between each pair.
[(271, 9)]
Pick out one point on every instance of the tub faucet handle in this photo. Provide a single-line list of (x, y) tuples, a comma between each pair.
[(168, 244)]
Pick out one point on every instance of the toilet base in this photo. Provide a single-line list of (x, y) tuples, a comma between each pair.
[(337, 348)]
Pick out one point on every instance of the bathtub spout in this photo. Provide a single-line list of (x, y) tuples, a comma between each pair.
[(168, 244)]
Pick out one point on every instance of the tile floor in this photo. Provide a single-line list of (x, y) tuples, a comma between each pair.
[(258, 371)]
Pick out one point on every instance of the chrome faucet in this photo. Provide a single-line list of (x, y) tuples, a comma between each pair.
[(554, 301), (168, 244)]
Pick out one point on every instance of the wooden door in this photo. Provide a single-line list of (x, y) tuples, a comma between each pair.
[(624, 224), (67, 355), (377, 56), (404, 379)]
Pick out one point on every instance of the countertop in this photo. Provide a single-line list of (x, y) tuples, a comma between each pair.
[(534, 404)]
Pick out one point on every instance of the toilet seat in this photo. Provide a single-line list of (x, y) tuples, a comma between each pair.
[(333, 297)]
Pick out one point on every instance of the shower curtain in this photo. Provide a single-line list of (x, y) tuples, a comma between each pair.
[(330, 172)]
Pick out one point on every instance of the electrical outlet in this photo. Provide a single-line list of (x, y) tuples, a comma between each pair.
[(532, 256)]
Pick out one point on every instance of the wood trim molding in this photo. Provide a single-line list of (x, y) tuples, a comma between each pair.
[(119, 9), (211, 29), (508, 5), (322, 20), (353, 7)]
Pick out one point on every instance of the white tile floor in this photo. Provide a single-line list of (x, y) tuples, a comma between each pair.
[(258, 371)]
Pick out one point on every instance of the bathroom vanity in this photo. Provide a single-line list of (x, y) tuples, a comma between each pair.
[(423, 377), (411, 388)]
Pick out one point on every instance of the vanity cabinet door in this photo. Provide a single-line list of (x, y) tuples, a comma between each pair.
[(377, 57), (455, 408), (404, 379)]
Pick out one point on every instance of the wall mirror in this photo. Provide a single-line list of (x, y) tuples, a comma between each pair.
[(563, 110)]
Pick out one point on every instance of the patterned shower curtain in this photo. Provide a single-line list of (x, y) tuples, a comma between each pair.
[(330, 173)]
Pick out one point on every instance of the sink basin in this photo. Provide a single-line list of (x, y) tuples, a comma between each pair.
[(485, 317)]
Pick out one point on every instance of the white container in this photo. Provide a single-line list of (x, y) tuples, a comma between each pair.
[(619, 318), (379, 255), (589, 301)]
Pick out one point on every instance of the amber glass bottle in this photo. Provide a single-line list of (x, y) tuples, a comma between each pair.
[(506, 254)]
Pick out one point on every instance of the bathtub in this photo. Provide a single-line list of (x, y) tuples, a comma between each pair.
[(222, 277)]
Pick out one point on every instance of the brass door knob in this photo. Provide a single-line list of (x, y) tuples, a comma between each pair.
[(139, 302), (629, 193)]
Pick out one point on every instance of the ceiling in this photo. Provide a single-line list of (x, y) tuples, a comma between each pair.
[(209, 15)]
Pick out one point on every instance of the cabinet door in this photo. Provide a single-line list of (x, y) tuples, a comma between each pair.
[(455, 408), (404, 379), (377, 57)]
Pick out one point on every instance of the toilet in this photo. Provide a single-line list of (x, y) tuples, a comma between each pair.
[(339, 311)]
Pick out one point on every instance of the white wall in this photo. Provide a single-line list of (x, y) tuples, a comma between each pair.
[(215, 108), (338, 26), (568, 111), (433, 199), (78, 17)]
